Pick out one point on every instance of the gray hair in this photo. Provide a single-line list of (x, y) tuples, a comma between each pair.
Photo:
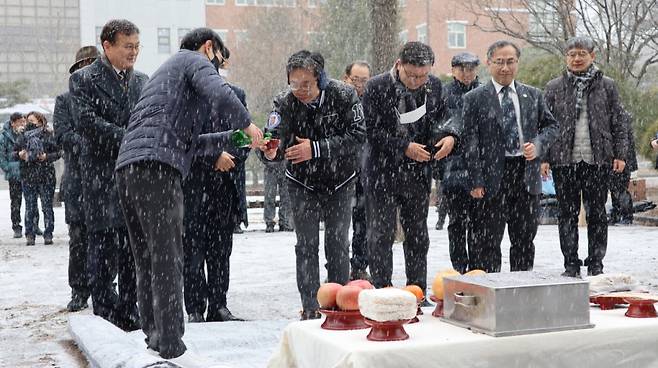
[(580, 42), (499, 45)]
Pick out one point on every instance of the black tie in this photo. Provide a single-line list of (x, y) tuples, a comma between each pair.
[(122, 75), (511, 130)]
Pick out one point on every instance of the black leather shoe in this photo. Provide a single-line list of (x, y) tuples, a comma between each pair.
[(285, 228), (47, 239), (311, 314), (77, 303), (571, 273), (238, 229), (594, 271), (222, 315), (129, 323), (18, 233), (269, 228), (195, 318), (30, 240)]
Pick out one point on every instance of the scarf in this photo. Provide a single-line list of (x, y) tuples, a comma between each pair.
[(582, 81)]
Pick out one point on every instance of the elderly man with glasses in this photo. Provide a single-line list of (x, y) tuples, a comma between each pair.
[(404, 110), (593, 139), (507, 128)]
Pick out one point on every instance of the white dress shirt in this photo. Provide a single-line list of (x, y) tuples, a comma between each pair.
[(517, 109)]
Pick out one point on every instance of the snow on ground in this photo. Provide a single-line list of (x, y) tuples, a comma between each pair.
[(34, 289)]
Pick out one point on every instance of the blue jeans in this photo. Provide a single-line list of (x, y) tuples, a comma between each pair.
[(46, 192)]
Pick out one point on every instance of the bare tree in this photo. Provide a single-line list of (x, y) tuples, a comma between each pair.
[(626, 31), (385, 27)]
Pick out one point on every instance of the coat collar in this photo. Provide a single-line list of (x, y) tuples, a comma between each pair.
[(107, 80)]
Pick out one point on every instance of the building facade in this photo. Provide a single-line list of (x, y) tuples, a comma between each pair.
[(39, 39), (162, 24)]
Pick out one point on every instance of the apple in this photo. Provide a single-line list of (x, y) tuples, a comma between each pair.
[(327, 294), (347, 297), (363, 284)]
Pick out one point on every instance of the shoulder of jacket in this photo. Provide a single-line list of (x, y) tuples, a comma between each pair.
[(555, 83), (340, 90)]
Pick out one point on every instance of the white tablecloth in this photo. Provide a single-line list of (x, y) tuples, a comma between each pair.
[(615, 341)]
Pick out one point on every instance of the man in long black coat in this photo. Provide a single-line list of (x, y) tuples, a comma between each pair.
[(103, 95), (404, 112), (71, 187)]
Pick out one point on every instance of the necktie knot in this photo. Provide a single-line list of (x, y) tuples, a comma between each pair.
[(122, 75)]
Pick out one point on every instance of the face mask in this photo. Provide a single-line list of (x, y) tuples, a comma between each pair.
[(30, 126), (215, 62), (223, 72)]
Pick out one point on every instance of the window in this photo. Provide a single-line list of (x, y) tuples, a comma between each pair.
[(245, 2), (223, 34), (99, 44), (316, 3), (456, 35), (216, 2), (543, 20), (181, 33), (402, 3), (240, 36), (164, 41), (404, 37), (421, 33)]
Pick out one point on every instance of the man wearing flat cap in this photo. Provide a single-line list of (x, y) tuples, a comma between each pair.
[(71, 187), (454, 177)]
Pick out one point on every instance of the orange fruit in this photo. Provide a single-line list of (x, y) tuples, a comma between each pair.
[(475, 273), (416, 290), (437, 285)]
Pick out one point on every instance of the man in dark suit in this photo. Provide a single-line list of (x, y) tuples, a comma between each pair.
[(103, 94), (71, 187), (507, 127), (404, 111)]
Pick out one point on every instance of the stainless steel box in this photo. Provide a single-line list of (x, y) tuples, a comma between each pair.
[(516, 303)]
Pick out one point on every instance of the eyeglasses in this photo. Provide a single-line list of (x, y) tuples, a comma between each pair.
[(416, 77), (357, 80), (501, 63), (579, 53), (304, 86), (131, 47)]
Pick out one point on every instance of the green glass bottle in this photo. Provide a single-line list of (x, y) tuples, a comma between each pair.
[(240, 139)]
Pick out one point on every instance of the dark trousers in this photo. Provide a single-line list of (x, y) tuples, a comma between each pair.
[(152, 201), (15, 198), (381, 212), (33, 192), (359, 260), (109, 255), (441, 204), (622, 202), (208, 241), (275, 182), (511, 205), (308, 208), (460, 206), (590, 182), (78, 276)]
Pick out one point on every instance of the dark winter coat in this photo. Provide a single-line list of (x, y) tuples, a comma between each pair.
[(100, 106), (631, 156), (70, 187), (9, 165), (167, 122), (454, 175), (385, 161), (484, 140), (35, 171), (204, 179), (335, 129), (607, 131)]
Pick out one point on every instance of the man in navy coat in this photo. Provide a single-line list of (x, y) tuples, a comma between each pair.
[(507, 128)]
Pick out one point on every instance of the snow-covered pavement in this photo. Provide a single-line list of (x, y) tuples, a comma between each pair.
[(34, 289)]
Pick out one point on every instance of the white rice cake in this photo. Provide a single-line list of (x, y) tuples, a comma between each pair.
[(387, 304)]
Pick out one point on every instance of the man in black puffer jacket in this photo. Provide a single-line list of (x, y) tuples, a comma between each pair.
[(404, 111), (161, 141), (454, 181), (320, 125)]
